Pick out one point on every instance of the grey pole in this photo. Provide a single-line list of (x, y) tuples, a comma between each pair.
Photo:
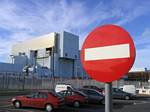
[(108, 97)]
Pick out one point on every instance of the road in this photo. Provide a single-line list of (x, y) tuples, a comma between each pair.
[(138, 105)]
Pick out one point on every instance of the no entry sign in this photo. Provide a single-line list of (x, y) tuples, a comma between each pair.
[(108, 53)]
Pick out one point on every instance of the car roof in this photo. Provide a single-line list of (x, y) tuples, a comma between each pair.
[(92, 86), (89, 86), (44, 91), (63, 84), (89, 89), (71, 90)]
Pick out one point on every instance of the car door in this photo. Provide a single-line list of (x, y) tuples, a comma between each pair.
[(29, 100), (121, 93), (93, 96), (86, 92), (40, 99), (117, 93), (26, 101), (70, 96)]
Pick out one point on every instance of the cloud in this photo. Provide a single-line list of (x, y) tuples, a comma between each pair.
[(128, 10), (143, 39), (6, 44), (142, 58), (143, 50), (24, 23)]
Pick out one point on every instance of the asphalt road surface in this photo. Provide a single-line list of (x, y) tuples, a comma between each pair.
[(138, 105)]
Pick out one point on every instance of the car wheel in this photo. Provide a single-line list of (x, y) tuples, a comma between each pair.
[(103, 102), (76, 104), (127, 98), (49, 108), (17, 104)]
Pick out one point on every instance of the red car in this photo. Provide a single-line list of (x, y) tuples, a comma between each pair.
[(47, 100), (75, 98)]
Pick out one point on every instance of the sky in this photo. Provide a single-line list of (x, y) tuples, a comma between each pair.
[(25, 19)]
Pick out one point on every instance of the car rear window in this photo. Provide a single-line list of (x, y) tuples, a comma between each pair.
[(56, 94), (81, 93), (42, 95)]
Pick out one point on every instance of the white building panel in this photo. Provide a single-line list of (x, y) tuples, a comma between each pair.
[(41, 42), (69, 45)]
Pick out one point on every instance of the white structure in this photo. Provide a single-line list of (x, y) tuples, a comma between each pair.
[(54, 54)]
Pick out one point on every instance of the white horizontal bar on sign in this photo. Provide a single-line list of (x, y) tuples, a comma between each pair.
[(107, 52)]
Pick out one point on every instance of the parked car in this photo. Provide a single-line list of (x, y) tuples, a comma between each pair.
[(94, 96), (93, 87), (119, 94), (145, 90), (129, 89), (62, 87), (137, 90), (74, 97), (47, 100)]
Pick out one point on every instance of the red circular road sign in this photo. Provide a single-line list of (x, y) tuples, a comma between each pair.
[(108, 53)]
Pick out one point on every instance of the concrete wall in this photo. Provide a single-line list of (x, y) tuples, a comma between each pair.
[(69, 45), (13, 68), (20, 60), (66, 67)]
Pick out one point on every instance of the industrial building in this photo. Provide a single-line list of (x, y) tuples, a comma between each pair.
[(142, 74), (52, 55)]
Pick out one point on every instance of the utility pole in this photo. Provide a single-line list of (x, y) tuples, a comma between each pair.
[(53, 67)]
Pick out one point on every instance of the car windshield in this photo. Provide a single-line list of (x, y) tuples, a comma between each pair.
[(32, 94), (56, 94), (117, 90)]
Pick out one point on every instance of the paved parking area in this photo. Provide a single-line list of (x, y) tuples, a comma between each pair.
[(138, 105)]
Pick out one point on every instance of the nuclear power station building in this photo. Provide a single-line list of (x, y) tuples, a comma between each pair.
[(54, 55)]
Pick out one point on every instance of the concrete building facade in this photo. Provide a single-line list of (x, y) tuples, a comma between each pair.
[(54, 55)]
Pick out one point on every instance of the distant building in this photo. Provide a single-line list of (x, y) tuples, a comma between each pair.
[(141, 74), (54, 54)]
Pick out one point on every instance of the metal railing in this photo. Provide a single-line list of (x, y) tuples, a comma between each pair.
[(9, 81)]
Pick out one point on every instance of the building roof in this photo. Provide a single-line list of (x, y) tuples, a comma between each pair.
[(138, 70), (45, 41)]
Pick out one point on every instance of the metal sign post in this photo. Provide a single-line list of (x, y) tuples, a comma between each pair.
[(108, 97)]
